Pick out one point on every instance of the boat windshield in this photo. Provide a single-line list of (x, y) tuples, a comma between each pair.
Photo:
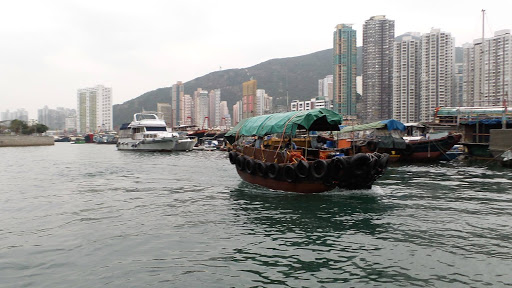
[(140, 117), (156, 129)]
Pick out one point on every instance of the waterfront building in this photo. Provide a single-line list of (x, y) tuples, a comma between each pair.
[(488, 70), (249, 98), (378, 39), (214, 102), (188, 110), (437, 72), (94, 109), (345, 69), (166, 110), (406, 78), (225, 120), (318, 102), (177, 94)]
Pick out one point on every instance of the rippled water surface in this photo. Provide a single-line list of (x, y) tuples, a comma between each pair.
[(88, 216)]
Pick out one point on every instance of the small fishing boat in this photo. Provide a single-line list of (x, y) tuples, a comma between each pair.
[(299, 169)]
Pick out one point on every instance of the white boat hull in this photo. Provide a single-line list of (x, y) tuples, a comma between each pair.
[(134, 145), (185, 144)]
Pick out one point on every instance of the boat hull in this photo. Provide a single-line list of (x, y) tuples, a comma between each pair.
[(429, 150), (279, 171), (299, 187), (132, 145), (185, 144)]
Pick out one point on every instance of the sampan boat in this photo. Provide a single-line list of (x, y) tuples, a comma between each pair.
[(299, 169)]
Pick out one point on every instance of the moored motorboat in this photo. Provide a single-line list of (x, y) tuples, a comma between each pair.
[(301, 169), (147, 132)]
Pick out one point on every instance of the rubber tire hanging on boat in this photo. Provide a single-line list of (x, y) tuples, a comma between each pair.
[(250, 166), (232, 157), (289, 173), (319, 168), (261, 168), (240, 162), (273, 170), (361, 163), (302, 169)]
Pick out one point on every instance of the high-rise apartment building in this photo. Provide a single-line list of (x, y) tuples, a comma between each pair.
[(249, 98), (325, 87), (188, 110), (54, 119), (345, 69), (237, 112), (201, 108), (437, 72), (94, 109), (166, 110), (214, 98), (407, 79), (488, 71), (177, 93), (378, 39)]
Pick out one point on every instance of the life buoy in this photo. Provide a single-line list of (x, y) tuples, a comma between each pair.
[(240, 162), (319, 168), (273, 170), (232, 157), (249, 166), (289, 173), (261, 168), (302, 169), (371, 146)]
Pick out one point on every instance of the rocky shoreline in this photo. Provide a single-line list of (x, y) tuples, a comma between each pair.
[(25, 140)]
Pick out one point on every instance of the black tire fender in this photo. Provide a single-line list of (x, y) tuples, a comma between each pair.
[(232, 157), (319, 168), (250, 166), (289, 173), (261, 168), (240, 162), (302, 169), (273, 170)]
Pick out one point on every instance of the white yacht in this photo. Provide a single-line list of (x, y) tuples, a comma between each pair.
[(148, 132), (185, 142)]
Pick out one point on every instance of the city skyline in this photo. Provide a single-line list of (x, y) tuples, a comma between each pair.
[(57, 46)]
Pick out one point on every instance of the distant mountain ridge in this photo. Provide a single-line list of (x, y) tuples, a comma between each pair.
[(296, 75)]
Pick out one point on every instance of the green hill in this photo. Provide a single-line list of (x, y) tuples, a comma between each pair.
[(297, 75)]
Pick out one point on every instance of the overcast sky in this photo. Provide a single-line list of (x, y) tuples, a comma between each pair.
[(49, 49)]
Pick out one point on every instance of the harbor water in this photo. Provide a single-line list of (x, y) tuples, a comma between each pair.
[(87, 215)]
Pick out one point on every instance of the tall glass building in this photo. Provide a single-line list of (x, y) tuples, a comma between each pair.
[(345, 70)]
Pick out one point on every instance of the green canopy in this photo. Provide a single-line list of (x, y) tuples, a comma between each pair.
[(390, 124), (317, 120)]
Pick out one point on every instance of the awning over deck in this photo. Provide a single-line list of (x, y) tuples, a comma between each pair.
[(314, 120)]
